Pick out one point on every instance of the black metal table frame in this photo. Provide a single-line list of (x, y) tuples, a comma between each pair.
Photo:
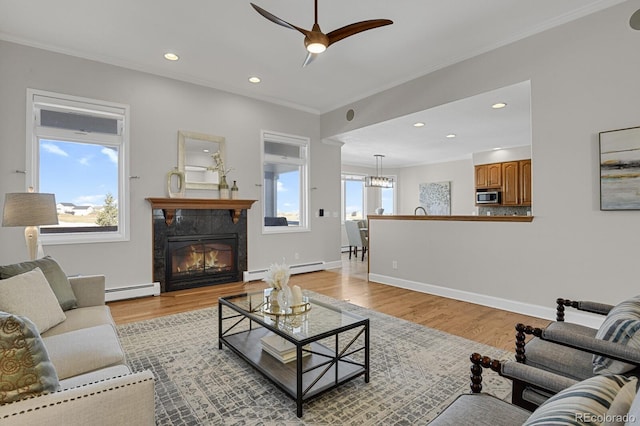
[(332, 360)]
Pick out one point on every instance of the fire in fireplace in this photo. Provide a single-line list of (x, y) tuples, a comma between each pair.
[(194, 261)]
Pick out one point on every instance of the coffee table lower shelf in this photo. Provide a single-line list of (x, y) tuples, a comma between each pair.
[(323, 366)]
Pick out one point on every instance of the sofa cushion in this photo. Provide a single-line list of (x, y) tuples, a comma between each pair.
[(25, 368), (82, 351), (56, 278), (80, 318), (94, 376), (622, 325), (585, 403), (29, 295)]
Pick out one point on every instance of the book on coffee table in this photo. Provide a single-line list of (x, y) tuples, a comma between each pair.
[(281, 349)]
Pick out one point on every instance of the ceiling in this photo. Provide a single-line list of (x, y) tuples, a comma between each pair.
[(222, 43), (476, 125)]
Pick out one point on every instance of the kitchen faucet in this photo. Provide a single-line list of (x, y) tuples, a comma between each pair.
[(415, 212)]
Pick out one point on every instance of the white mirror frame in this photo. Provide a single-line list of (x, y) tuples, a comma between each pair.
[(183, 140)]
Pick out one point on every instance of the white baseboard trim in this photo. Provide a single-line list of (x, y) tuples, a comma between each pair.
[(546, 312), (301, 268), (132, 291)]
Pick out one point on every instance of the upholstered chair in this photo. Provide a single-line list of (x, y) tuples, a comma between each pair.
[(357, 235), (579, 352), (573, 402)]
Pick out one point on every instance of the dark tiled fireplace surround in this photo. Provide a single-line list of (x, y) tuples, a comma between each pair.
[(210, 235)]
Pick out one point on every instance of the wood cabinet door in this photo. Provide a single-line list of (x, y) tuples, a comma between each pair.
[(510, 183), (481, 176), (494, 175), (525, 182)]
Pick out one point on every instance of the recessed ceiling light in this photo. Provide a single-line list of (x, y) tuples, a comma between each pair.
[(451, 135), (205, 151), (418, 124), (254, 80), (497, 148), (498, 105), (171, 56)]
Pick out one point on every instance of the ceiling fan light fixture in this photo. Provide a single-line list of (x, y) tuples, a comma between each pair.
[(316, 47)]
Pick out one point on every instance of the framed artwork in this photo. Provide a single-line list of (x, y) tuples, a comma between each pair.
[(435, 197), (620, 169)]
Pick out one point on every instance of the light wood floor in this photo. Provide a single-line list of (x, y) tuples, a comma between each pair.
[(479, 323)]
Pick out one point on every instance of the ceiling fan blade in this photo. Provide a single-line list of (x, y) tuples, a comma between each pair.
[(310, 57), (273, 18), (358, 27)]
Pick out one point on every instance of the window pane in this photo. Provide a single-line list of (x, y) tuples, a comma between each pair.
[(288, 196), (84, 179), (354, 200), (387, 200)]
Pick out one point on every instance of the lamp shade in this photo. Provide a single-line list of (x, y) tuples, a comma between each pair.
[(29, 209)]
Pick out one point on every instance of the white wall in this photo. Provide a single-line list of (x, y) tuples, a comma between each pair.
[(584, 80), (502, 155), (461, 175), (159, 108)]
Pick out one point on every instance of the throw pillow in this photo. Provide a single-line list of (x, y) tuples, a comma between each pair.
[(618, 412), (25, 368), (585, 403), (622, 325), (55, 276), (29, 295)]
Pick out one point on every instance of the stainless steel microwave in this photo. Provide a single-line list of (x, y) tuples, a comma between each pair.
[(488, 197)]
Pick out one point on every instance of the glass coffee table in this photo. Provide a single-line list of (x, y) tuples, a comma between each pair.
[(304, 354)]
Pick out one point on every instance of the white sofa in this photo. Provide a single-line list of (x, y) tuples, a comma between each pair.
[(96, 385)]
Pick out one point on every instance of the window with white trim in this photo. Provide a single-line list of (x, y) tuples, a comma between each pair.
[(77, 149), (285, 165), (353, 197)]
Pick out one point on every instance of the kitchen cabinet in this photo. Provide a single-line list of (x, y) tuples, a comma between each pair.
[(525, 182), (510, 183), (512, 178), (489, 176)]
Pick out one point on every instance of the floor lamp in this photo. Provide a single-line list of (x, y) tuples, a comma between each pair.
[(30, 209)]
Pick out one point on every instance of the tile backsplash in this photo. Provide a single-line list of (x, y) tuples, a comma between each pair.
[(504, 210)]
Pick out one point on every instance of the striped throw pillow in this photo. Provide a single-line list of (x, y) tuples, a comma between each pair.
[(585, 403), (622, 325)]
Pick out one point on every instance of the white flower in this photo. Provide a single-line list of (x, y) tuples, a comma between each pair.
[(219, 164), (278, 276)]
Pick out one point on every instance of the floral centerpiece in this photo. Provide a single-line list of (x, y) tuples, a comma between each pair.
[(278, 278)]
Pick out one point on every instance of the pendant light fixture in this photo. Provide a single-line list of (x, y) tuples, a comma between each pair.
[(378, 181)]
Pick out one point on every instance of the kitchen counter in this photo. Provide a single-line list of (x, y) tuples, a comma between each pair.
[(454, 218)]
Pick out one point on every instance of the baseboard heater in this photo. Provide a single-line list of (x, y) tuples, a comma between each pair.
[(295, 269), (132, 291)]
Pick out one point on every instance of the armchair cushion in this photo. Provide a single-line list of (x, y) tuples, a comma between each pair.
[(481, 409), (25, 368), (29, 295), (561, 359), (56, 278), (581, 403), (622, 326)]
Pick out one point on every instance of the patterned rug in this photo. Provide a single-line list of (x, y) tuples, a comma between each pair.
[(415, 372)]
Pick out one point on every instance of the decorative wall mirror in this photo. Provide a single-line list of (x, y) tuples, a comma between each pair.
[(195, 151)]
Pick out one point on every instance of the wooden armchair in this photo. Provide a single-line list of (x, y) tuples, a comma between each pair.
[(572, 401), (576, 351)]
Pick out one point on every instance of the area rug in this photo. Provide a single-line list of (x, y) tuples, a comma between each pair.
[(415, 373)]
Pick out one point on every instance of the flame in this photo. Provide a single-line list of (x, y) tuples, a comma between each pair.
[(197, 259)]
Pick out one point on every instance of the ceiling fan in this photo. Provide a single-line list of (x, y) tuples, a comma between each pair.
[(315, 40)]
